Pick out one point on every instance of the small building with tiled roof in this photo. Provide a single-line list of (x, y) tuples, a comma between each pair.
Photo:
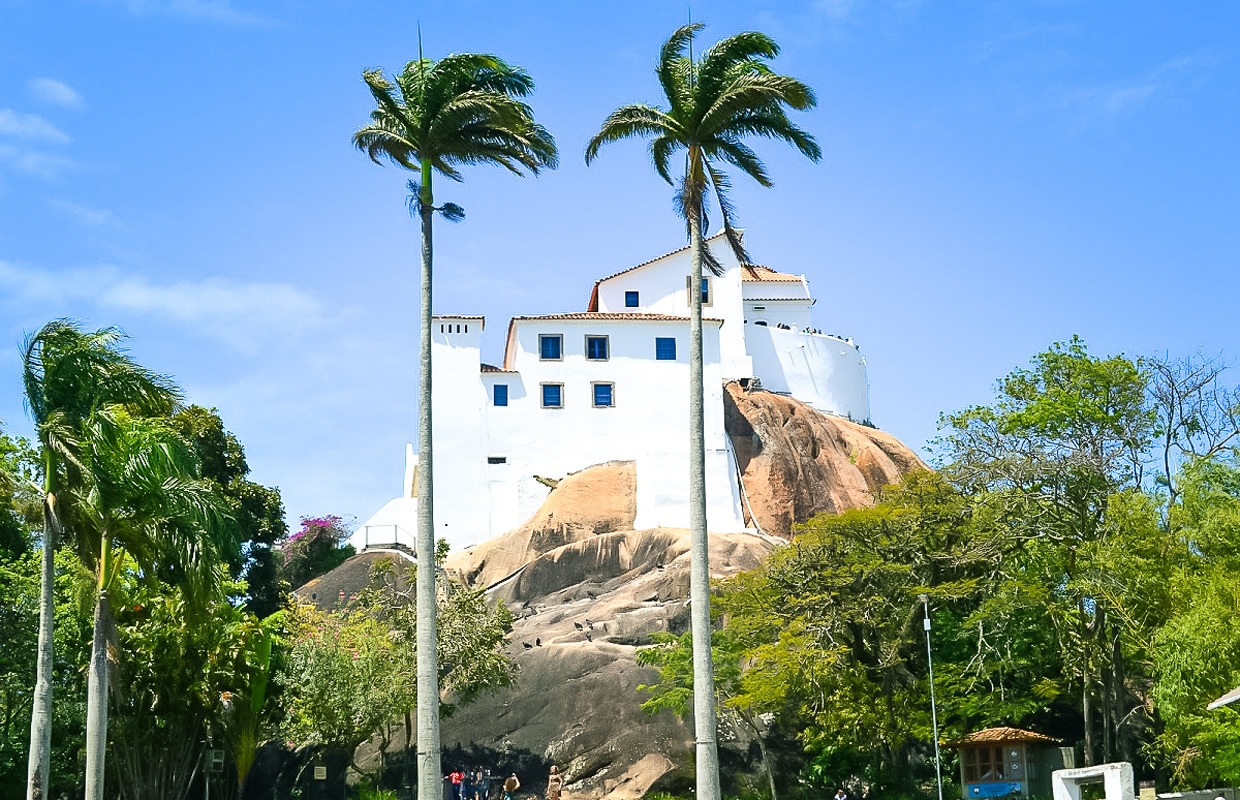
[(611, 383), (1005, 761)]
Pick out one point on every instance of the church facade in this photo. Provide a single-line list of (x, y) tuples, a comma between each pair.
[(611, 383)]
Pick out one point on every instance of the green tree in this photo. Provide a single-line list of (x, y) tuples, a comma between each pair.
[(714, 103), (68, 374), (140, 501), (350, 673), (1196, 653), (256, 512), (181, 668), (829, 633), (1063, 438), (436, 116), (19, 503)]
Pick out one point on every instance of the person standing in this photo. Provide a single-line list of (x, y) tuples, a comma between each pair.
[(484, 784), (840, 795), (456, 776), (511, 785), (555, 784)]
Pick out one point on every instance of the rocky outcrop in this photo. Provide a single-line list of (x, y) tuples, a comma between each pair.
[(593, 501), (582, 610), (587, 590), (796, 462)]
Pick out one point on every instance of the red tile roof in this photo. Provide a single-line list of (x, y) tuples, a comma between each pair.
[(586, 316), (1002, 735), (757, 272), (493, 368), (615, 316)]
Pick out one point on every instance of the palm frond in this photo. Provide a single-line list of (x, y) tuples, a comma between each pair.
[(661, 150), (675, 69), (451, 212), (770, 124), (744, 51), (735, 152), (727, 211), (630, 121)]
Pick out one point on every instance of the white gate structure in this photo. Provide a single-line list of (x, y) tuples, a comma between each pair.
[(1116, 780)]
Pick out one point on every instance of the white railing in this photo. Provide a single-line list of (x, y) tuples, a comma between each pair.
[(383, 536)]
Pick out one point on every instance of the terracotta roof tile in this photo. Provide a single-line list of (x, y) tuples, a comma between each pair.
[(1004, 734), (493, 368), (757, 272), (613, 316)]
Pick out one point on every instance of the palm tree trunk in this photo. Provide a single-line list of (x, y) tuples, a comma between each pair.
[(704, 725), (430, 786), (39, 765), (97, 700)]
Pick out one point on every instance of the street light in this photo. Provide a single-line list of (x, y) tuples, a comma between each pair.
[(934, 716)]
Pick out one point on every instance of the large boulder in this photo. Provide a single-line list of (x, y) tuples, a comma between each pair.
[(797, 462), (587, 591)]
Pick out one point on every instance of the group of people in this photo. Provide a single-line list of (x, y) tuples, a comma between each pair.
[(475, 784)]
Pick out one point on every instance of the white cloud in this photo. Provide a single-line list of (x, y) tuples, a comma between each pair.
[(54, 92), (30, 127), (246, 316), (1127, 96), (94, 217), (43, 165)]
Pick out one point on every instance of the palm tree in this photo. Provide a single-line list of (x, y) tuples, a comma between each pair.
[(436, 116), (140, 502), (714, 102), (68, 374)]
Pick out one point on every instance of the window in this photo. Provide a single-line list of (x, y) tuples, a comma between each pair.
[(497, 459), (705, 290), (631, 300), (499, 394), (604, 395), (596, 348), (550, 347), (664, 348), (983, 764), (553, 395)]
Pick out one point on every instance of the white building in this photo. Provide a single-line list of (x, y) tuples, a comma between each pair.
[(611, 383)]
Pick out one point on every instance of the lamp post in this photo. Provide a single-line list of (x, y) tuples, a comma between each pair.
[(934, 716)]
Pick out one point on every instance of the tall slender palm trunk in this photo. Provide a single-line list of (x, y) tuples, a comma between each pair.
[(40, 759), (97, 701), (430, 786), (704, 725)]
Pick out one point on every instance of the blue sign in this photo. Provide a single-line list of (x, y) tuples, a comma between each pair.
[(997, 789)]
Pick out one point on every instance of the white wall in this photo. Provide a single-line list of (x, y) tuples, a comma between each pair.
[(648, 423), (794, 313), (457, 409), (824, 371), (661, 290)]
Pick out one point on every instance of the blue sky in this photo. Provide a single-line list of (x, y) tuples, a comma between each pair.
[(997, 176)]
